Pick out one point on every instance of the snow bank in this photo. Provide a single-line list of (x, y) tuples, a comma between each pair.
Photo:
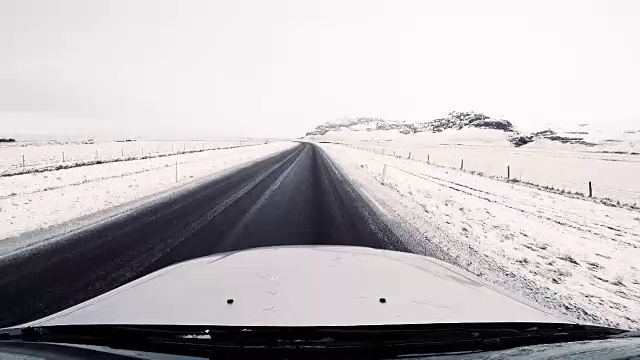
[(575, 257), (35, 201)]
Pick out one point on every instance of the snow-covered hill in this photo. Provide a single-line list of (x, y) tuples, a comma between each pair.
[(455, 120), (363, 124), (469, 128)]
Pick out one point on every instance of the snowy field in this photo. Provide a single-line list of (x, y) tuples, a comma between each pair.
[(612, 166), (613, 176), (576, 257), (31, 202), (45, 154)]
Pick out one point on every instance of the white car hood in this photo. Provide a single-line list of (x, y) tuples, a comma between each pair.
[(303, 286)]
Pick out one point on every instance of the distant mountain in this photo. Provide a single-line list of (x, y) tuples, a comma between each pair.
[(455, 120), (584, 134)]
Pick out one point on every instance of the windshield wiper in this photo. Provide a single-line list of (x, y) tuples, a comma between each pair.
[(383, 341)]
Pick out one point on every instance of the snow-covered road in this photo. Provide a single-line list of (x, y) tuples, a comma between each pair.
[(574, 256)]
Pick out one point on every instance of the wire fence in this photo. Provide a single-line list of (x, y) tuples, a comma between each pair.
[(24, 160), (602, 186)]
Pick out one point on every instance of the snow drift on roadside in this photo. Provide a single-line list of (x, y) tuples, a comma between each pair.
[(576, 257)]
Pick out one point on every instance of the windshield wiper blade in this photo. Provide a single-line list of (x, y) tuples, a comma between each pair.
[(365, 341)]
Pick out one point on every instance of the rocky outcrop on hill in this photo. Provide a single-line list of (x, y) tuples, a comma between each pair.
[(459, 120), (495, 124), (520, 140)]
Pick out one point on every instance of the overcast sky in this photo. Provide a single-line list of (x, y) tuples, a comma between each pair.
[(269, 68)]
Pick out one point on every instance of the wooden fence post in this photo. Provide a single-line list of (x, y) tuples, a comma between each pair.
[(508, 171), (428, 159), (409, 155), (590, 190), (22, 160), (462, 164), (97, 155), (63, 156)]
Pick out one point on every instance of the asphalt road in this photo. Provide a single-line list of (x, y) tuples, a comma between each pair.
[(295, 197)]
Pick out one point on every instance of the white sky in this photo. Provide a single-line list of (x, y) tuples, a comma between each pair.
[(270, 68)]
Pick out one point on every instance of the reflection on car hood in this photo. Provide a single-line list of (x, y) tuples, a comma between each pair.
[(303, 286)]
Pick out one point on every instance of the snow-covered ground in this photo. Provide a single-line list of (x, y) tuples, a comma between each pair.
[(577, 257), (35, 201), (565, 157), (44, 154), (563, 166)]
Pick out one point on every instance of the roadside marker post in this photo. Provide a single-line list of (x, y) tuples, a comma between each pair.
[(384, 173)]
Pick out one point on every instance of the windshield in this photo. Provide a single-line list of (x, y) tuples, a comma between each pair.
[(335, 163)]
